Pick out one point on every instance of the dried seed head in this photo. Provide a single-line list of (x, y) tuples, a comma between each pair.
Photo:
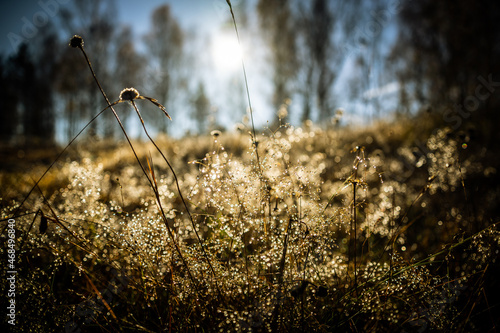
[(129, 94), (76, 41), (215, 133)]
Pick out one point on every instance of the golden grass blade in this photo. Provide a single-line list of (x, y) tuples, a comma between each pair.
[(98, 293), (155, 102)]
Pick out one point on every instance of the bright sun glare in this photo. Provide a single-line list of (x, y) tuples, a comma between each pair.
[(227, 53)]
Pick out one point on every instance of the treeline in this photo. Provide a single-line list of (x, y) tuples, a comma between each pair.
[(440, 58), (437, 54), (47, 85)]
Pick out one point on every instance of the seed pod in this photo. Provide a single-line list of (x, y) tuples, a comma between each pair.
[(43, 224), (76, 41), (129, 94)]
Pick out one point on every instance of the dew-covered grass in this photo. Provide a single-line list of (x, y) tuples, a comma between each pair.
[(334, 230)]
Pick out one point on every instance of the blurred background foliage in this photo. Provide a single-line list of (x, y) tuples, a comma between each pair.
[(400, 58)]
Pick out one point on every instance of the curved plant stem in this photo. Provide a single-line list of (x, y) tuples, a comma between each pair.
[(52, 164), (202, 245), (142, 167), (254, 137)]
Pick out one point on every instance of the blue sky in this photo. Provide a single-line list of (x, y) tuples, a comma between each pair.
[(17, 16)]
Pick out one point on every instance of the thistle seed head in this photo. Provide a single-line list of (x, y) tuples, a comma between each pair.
[(215, 133), (76, 41), (129, 94)]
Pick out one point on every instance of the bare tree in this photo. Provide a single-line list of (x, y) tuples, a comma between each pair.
[(165, 47), (308, 46), (32, 98), (326, 28), (317, 24), (95, 21), (129, 66), (278, 28), (68, 83), (372, 22), (201, 108)]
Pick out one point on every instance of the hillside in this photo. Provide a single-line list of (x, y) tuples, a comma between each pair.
[(384, 228)]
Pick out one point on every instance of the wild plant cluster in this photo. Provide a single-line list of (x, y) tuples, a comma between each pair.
[(298, 229)]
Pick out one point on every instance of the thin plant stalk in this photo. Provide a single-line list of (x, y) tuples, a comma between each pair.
[(202, 245), (280, 274), (396, 231), (254, 136), (354, 183), (80, 46), (50, 167)]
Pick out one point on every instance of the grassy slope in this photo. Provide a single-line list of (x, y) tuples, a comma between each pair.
[(418, 191)]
